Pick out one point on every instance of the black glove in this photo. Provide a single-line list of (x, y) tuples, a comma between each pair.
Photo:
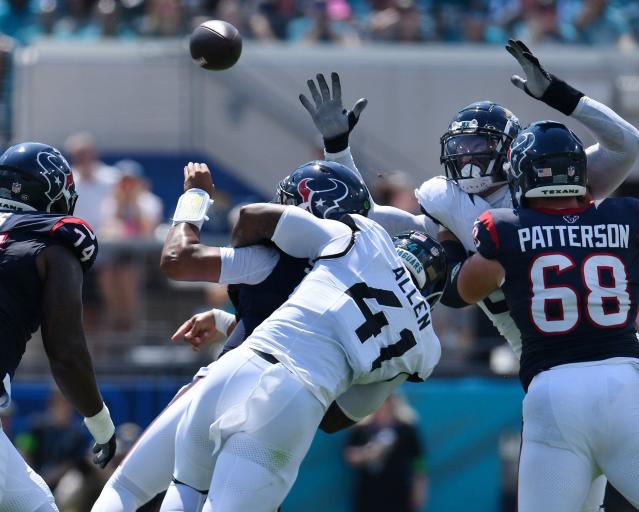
[(539, 83), (105, 452), (333, 121)]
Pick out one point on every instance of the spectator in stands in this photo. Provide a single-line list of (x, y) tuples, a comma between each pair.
[(18, 19), (94, 180), (164, 18), (327, 21), (78, 21), (538, 22), (55, 441), (47, 16), (597, 22), (130, 212), (389, 460), (270, 20)]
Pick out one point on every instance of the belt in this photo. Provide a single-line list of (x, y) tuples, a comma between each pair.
[(267, 357)]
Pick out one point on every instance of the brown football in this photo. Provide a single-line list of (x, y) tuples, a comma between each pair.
[(215, 45)]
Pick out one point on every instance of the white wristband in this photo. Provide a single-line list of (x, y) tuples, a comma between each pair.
[(192, 207), (223, 321), (100, 426)]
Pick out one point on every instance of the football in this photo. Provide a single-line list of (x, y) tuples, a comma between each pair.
[(215, 45)]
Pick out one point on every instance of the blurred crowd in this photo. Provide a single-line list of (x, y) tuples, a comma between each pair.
[(595, 22)]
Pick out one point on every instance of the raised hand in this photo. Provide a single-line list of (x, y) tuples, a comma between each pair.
[(537, 78), (197, 175), (333, 121), (541, 84)]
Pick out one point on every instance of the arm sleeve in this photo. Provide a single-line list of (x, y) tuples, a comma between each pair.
[(361, 400), (302, 235), (247, 265), (392, 219), (485, 236), (611, 159)]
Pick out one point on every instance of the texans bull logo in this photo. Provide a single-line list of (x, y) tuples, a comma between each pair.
[(320, 200), (56, 171), (527, 140)]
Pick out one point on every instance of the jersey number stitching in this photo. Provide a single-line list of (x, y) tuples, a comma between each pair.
[(607, 301), (374, 322)]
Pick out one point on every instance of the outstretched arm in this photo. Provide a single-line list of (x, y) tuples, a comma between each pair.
[(611, 159), (183, 256), (335, 123)]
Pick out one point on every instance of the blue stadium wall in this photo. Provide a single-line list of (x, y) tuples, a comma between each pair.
[(461, 422)]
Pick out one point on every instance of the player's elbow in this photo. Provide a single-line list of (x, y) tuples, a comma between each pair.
[(176, 260)]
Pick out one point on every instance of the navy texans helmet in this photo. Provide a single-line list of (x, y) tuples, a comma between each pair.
[(35, 176), (473, 149), (546, 160), (326, 189), (425, 259)]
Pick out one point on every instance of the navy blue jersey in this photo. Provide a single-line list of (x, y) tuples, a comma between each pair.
[(23, 236), (255, 303), (572, 279)]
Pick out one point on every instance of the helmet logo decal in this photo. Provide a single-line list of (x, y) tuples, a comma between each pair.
[(527, 140), (56, 171), (316, 200)]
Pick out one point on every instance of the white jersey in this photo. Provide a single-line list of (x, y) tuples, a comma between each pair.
[(356, 318), (443, 200)]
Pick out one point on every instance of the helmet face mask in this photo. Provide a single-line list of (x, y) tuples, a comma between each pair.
[(425, 260), (546, 160), (473, 149), (326, 189), (35, 176)]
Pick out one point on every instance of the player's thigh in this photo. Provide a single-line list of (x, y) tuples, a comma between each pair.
[(256, 468), (21, 488), (553, 479), (228, 384), (618, 455)]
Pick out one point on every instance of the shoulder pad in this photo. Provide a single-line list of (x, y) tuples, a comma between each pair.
[(432, 196), (485, 236), (442, 200), (76, 234)]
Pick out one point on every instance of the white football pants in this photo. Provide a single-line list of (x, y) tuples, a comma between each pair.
[(580, 422), (21, 488), (242, 439)]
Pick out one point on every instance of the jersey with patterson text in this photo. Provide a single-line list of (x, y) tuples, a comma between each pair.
[(23, 236), (356, 318), (572, 280)]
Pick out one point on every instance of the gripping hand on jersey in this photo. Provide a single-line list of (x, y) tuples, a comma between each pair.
[(539, 83), (333, 121), (104, 452)]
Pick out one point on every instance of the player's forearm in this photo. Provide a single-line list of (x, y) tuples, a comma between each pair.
[(184, 258), (611, 159), (73, 373), (345, 158)]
